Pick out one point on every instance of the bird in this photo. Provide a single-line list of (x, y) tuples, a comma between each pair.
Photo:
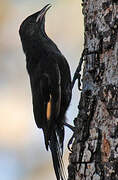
[(50, 80)]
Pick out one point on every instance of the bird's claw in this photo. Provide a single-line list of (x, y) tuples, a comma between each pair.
[(70, 142)]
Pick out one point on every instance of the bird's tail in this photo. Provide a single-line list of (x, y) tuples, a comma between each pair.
[(56, 151)]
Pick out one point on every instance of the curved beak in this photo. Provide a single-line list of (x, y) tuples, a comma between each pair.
[(42, 12)]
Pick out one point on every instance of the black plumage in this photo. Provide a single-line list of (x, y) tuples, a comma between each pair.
[(50, 84)]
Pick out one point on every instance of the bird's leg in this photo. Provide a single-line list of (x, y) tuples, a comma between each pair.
[(75, 130), (70, 126)]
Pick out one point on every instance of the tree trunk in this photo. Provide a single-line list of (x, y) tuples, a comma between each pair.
[(95, 149)]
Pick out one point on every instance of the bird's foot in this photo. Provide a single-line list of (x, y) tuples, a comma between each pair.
[(77, 75), (75, 131), (70, 143)]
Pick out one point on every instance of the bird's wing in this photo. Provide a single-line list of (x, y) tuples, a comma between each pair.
[(50, 90), (51, 95), (66, 91)]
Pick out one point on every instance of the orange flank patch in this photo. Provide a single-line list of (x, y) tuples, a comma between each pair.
[(48, 113)]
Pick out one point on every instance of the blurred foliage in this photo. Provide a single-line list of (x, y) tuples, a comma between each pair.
[(4, 10)]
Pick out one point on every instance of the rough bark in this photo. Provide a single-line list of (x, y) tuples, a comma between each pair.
[(95, 149)]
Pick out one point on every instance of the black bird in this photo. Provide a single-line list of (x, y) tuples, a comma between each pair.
[(50, 84)]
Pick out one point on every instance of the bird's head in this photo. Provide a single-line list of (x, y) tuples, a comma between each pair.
[(33, 26)]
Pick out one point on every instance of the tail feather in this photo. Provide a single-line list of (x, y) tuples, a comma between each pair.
[(63, 173), (57, 157)]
